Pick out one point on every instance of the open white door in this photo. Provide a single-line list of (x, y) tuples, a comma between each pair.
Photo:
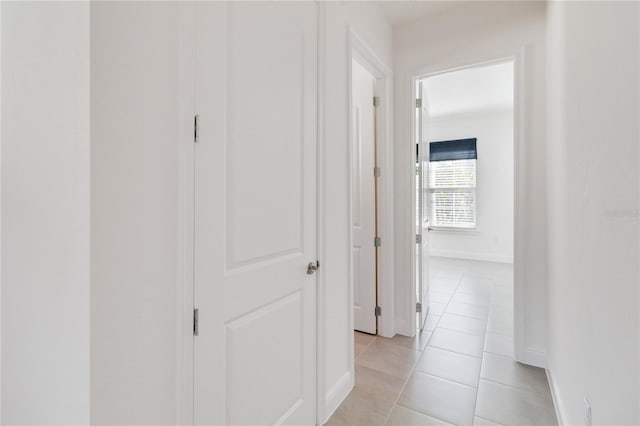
[(363, 223), (422, 199), (255, 213)]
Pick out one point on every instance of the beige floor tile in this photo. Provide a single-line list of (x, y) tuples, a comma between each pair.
[(500, 327), (456, 341), (475, 285), (479, 421), (450, 365), (389, 358), (443, 286), (501, 313), (352, 413), (498, 344), (377, 380), (371, 400), (359, 349), (402, 416), (464, 324), (476, 299), (418, 343), (468, 310), (480, 298), (440, 296), (505, 370), (445, 278), (437, 308), (501, 299), (431, 322), (439, 398), (363, 338), (512, 406)]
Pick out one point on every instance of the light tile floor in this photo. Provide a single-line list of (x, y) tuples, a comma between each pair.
[(459, 369)]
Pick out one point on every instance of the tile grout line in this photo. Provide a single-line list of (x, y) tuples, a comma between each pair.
[(413, 369), (511, 386), (489, 420), (484, 341), (437, 326)]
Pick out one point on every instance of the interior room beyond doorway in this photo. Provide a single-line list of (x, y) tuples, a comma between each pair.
[(464, 172)]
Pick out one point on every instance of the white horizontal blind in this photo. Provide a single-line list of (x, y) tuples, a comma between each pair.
[(452, 193)]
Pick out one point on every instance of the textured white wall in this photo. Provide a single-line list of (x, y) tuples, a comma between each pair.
[(134, 204), (593, 210), (366, 20), (45, 213)]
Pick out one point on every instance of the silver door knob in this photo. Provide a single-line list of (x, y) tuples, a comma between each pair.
[(312, 267), (429, 229)]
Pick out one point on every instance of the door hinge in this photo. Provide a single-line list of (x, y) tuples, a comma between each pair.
[(378, 311), (313, 267), (377, 241), (419, 307), (418, 238), (195, 321), (376, 101), (418, 103), (376, 172), (196, 128)]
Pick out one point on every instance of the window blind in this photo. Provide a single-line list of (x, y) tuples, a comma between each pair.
[(459, 149), (452, 193)]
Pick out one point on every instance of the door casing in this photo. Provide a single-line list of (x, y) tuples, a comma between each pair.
[(384, 79), (517, 56)]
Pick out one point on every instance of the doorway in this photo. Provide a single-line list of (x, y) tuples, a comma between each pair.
[(364, 227), (371, 196), (465, 144)]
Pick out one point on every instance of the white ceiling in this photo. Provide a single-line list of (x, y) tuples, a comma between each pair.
[(488, 87), (403, 12)]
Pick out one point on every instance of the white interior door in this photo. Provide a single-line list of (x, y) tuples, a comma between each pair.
[(363, 198), (422, 211), (255, 213)]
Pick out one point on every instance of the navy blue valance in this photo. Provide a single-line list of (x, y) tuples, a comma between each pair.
[(460, 149)]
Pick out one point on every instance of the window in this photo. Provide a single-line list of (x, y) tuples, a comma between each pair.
[(452, 183)]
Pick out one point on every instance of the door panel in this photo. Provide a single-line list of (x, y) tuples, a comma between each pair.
[(363, 199), (422, 219), (255, 213)]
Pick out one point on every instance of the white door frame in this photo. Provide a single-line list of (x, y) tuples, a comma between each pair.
[(518, 57), (384, 134), (382, 73), (185, 217)]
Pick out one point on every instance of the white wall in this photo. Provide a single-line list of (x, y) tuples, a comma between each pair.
[(336, 368), (486, 30), (45, 213), (593, 210), (492, 240), (134, 203)]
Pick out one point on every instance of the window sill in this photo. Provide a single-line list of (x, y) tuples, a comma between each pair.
[(466, 231)]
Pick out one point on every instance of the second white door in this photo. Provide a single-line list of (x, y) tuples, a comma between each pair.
[(363, 197)]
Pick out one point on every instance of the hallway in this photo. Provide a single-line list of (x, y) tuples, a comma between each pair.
[(459, 370)]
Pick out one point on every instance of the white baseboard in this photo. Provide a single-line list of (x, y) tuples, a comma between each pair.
[(337, 394), (403, 328), (484, 257), (534, 357), (555, 396)]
